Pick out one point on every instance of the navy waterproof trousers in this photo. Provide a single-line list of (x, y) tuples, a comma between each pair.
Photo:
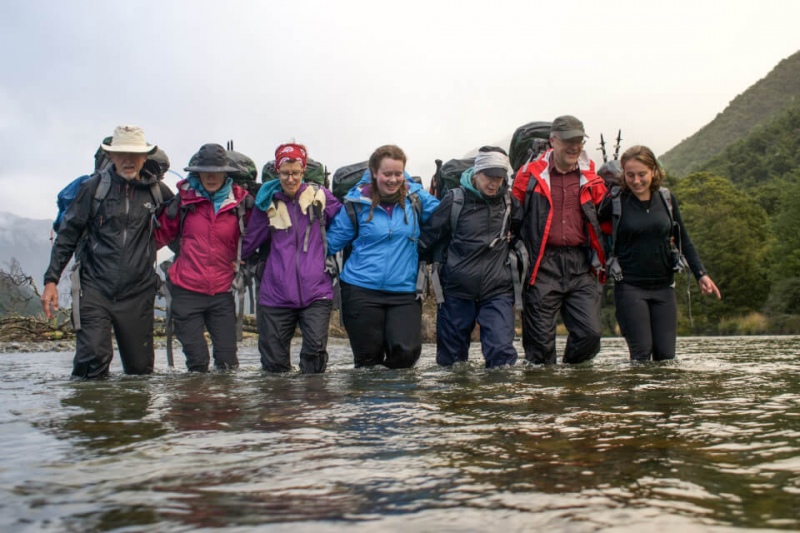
[(456, 319)]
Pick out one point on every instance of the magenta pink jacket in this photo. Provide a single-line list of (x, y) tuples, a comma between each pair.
[(209, 241)]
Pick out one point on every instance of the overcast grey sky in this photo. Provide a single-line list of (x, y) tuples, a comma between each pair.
[(438, 78)]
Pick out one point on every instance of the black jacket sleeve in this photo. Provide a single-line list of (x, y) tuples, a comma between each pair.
[(435, 232), (687, 247)]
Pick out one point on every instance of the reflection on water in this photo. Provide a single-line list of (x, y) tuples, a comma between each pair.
[(707, 442)]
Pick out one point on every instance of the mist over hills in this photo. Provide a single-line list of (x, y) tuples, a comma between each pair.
[(763, 101), (28, 241)]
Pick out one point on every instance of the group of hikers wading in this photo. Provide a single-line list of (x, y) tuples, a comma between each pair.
[(540, 246)]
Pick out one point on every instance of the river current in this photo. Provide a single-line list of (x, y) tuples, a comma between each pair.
[(709, 442)]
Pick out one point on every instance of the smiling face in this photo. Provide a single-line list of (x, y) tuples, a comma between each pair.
[(638, 178), (212, 181), (127, 164), (291, 176), (487, 185), (566, 152), (389, 177)]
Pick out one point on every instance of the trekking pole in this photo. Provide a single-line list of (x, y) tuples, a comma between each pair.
[(603, 148), (616, 146)]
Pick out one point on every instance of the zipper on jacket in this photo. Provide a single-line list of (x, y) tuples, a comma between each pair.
[(297, 254)]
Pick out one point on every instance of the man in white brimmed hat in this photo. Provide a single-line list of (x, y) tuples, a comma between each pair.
[(109, 228)]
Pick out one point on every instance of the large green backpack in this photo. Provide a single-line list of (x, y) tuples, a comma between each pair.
[(528, 143), (316, 172), (247, 175)]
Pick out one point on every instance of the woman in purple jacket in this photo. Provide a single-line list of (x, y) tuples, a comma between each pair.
[(290, 221)]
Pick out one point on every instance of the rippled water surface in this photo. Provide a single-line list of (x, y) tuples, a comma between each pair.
[(709, 442)]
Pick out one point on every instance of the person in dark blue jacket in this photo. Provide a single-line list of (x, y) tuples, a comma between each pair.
[(472, 226), (380, 308)]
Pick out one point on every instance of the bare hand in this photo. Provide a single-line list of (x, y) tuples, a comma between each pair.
[(707, 286), (50, 299)]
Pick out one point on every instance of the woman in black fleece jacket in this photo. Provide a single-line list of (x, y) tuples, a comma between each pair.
[(644, 297)]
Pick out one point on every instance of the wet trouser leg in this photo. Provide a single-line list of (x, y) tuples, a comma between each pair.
[(648, 319), (403, 330), (384, 327), (276, 326), (188, 309), (132, 322), (314, 323), (220, 318), (581, 315), (93, 347), (132, 319), (496, 318), (563, 284), (455, 320)]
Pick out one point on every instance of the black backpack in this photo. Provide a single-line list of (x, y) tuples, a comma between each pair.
[(345, 178), (528, 143), (448, 175)]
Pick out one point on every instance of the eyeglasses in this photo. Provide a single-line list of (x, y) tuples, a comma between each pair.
[(580, 141), (293, 174)]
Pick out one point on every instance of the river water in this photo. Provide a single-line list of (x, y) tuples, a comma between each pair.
[(709, 442)]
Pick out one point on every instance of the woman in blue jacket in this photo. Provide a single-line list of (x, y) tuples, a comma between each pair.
[(381, 219)]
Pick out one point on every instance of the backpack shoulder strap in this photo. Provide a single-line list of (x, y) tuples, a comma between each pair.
[(455, 208), (616, 213), (350, 209), (666, 196), (100, 193)]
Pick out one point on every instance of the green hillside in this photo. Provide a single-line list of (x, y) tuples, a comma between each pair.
[(763, 101)]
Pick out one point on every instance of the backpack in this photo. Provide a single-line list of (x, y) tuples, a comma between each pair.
[(448, 175), (347, 177), (156, 164), (528, 143), (246, 176), (315, 172)]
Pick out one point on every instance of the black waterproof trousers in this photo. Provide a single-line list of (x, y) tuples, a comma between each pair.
[(132, 322), (276, 326), (648, 319), (385, 328), (563, 283), (192, 313), (456, 319)]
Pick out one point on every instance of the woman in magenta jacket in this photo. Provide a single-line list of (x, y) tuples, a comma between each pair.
[(204, 217)]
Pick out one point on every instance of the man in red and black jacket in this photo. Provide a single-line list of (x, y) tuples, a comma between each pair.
[(560, 193)]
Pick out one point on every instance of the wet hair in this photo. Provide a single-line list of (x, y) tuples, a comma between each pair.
[(645, 156), (382, 152)]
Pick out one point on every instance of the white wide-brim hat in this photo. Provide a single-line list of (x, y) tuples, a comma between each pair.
[(129, 139)]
